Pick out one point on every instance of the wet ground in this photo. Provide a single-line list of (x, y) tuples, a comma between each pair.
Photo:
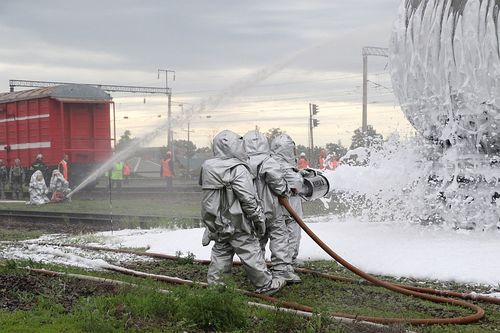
[(50, 228), (19, 291)]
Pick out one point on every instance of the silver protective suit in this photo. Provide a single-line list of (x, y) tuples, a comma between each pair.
[(270, 183), (59, 186), (283, 149), (231, 213), (38, 189)]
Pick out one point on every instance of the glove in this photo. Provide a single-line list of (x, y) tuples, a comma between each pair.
[(260, 228)]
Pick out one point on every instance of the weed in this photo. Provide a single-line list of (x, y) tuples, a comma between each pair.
[(218, 308)]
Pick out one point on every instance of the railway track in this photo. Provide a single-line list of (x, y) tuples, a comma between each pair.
[(89, 218)]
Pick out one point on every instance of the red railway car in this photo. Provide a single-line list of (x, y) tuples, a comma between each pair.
[(68, 119)]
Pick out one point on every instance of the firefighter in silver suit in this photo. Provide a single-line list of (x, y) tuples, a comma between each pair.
[(269, 184), (232, 216), (283, 148)]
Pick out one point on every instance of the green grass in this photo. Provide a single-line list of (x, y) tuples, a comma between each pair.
[(197, 309), (18, 235), (191, 309), (162, 207), (172, 207)]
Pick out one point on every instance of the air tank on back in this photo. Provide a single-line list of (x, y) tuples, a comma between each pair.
[(445, 68)]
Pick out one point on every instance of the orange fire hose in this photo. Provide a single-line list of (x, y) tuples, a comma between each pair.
[(479, 312)]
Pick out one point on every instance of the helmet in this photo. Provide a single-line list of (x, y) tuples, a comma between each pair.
[(302, 154)]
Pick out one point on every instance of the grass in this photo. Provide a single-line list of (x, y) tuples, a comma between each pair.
[(168, 207), (219, 309), (160, 206), (17, 235), (185, 309)]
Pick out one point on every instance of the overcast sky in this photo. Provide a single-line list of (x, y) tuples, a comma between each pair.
[(312, 49)]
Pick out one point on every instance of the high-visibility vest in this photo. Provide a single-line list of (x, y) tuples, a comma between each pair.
[(126, 170), (321, 163), (63, 168), (165, 165), (117, 172)]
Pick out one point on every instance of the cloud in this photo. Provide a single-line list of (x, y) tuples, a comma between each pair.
[(210, 44)]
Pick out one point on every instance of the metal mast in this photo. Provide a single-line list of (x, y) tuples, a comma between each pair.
[(369, 51)]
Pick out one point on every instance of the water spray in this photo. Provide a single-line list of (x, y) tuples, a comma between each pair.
[(205, 105)]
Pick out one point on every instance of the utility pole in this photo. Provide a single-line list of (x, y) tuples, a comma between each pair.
[(369, 51), (313, 122), (169, 114), (188, 150)]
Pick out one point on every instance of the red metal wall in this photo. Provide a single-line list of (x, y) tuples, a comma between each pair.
[(37, 126)]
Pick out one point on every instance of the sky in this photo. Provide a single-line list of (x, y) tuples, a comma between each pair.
[(310, 50)]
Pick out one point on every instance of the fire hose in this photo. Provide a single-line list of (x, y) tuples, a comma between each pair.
[(479, 312)]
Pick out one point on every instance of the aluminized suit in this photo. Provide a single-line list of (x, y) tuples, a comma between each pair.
[(231, 213), (269, 184), (283, 148), (59, 186), (38, 189)]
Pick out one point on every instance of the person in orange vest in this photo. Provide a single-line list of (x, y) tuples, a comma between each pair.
[(126, 173), (63, 167), (167, 170), (302, 163), (322, 159)]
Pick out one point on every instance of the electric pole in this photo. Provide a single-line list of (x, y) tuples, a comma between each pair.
[(313, 122), (369, 51), (189, 131), (169, 114)]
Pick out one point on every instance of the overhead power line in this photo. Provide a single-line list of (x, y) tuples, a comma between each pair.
[(105, 87)]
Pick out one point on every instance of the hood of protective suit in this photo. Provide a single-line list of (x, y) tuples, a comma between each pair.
[(284, 147), (36, 177), (257, 148), (228, 144)]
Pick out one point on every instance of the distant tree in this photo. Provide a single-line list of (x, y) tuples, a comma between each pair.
[(125, 140), (360, 139), (204, 150), (184, 148), (274, 132), (336, 148)]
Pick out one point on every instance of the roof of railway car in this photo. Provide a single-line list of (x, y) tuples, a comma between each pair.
[(68, 91)]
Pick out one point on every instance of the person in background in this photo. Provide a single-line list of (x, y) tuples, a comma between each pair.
[(4, 179), (63, 167), (59, 187), (16, 179), (333, 162), (117, 175), (38, 189), (232, 216), (322, 159), (270, 184), (167, 170), (126, 173), (283, 148), (302, 163), (39, 165)]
